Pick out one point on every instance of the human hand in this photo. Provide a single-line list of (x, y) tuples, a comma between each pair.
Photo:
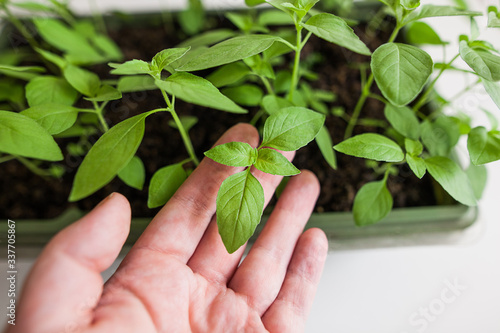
[(178, 277)]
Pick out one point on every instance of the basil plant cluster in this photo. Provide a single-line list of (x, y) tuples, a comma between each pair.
[(259, 65)]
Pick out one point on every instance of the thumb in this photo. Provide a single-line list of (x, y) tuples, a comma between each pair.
[(65, 283)]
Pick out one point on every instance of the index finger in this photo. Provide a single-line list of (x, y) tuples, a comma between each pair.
[(177, 229)]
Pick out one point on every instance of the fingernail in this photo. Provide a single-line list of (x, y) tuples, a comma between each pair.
[(105, 199)]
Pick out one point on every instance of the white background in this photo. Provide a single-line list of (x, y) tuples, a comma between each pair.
[(387, 290)]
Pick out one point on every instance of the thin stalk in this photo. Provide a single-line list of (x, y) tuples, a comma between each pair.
[(268, 86), (387, 171), (257, 116), (33, 167), (365, 93), (425, 96), (100, 116), (359, 106), (6, 158), (296, 63), (19, 26), (185, 137), (378, 98)]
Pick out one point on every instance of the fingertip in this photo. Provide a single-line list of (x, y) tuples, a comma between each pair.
[(305, 184), (241, 132), (310, 180), (98, 237), (317, 241)]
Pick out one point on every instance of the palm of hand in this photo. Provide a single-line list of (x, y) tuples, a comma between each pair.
[(178, 276)]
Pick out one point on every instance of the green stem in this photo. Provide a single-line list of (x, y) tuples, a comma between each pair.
[(423, 99), (359, 106), (185, 137), (6, 158), (296, 63), (20, 26), (268, 86), (365, 93), (33, 167), (257, 116), (99, 109), (378, 98), (386, 174)]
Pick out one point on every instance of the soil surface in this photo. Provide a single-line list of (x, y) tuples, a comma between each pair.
[(27, 196)]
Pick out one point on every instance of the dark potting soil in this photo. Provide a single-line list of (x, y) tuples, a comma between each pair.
[(28, 196)]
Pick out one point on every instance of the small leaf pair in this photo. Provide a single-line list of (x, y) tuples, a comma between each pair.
[(240, 201)]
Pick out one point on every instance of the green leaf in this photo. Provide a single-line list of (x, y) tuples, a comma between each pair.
[(291, 128), (493, 89), (390, 3), (11, 92), (23, 136), (132, 67), (236, 154), (246, 94), (273, 17), (243, 22), (493, 17), (229, 51), (452, 178), (111, 153), (31, 69), (272, 162), (196, 90), (273, 103), (166, 57), (417, 165), (53, 58), (372, 146), (136, 83), (207, 38), (484, 63), (440, 136), (106, 93), (422, 33), (372, 203), (483, 146), (478, 176), (288, 7), (192, 20), (412, 147), (62, 37), (252, 3), (228, 74), (410, 4), (426, 11), (55, 118), (404, 120), (240, 203), (134, 173), (325, 145), (26, 75), (400, 71), (335, 30), (260, 66), (84, 81), (164, 183), (108, 47), (50, 89)]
